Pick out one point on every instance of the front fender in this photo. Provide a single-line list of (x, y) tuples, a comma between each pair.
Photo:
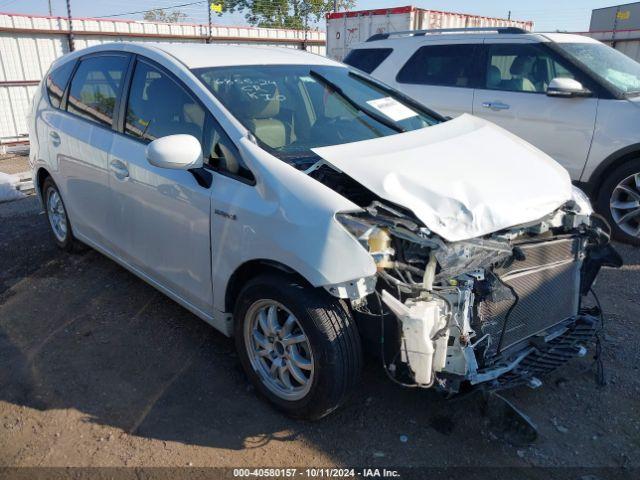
[(287, 218)]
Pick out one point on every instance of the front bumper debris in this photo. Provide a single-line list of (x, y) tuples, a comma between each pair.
[(541, 357)]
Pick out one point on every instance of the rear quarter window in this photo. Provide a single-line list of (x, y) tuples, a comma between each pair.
[(442, 65), (95, 87), (57, 82), (367, 59)]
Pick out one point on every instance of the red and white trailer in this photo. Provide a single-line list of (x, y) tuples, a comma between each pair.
[(345, 29)]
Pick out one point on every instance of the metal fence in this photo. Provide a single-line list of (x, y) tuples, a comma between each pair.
[(29, 43)]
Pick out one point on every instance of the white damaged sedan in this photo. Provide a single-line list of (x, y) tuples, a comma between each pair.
[(306, 208)]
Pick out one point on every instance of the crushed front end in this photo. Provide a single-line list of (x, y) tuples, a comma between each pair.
[(501, 310)]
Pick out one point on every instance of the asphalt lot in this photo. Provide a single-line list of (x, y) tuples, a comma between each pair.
[(99, 369)]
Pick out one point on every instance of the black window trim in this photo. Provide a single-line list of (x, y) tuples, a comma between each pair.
[(475, 79), (579, 74), (387, 53), (210, 124), (63, 98), (209, 116), (119, 95)]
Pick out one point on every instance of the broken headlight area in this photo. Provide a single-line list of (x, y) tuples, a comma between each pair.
[(500, 310)]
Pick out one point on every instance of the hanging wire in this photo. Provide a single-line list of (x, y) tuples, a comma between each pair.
[(123, 14), (598, 361)]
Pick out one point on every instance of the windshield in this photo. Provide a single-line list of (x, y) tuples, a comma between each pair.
[(291, 109), (608, 64)]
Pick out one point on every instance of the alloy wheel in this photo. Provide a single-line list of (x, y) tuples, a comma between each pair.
[(625, 205), (57, 215), (278, 349)]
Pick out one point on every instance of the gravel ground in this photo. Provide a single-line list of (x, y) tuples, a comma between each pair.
[(99, 369), (13, 163)]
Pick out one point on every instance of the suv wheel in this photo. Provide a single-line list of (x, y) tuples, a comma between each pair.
[(299, 346), (57, 215), (619, 201)]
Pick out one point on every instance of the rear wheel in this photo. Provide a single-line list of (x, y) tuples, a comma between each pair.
[(619, 201), (57, 215), (299, 346)]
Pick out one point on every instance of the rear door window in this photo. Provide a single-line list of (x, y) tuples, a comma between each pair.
[(96, 87), (443, 65), (367, 59), (57, 82), (158, 106)]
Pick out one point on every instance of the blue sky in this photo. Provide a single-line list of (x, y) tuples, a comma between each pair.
[(572, 15)]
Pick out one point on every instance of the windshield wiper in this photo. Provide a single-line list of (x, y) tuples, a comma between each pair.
[(379, 118)]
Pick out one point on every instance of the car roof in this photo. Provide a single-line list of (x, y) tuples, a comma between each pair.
[(473, 37), (200, 55), (569, 38)]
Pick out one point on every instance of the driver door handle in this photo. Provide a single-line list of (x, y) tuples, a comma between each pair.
[(496, 106), (119, 169)]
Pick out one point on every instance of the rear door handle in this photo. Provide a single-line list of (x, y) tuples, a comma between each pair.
[(55, 138), (496, 105), (119, 169)]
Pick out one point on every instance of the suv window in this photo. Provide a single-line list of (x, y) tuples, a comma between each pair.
[(221, 154), (158, 106), (443, 65), (57, 81), (367, 59), (522, 68), (95, 87)]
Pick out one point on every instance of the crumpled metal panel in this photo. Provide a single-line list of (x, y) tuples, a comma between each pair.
[(440, 173)]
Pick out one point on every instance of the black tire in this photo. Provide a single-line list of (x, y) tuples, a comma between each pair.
[(68, 243), (332, 335), (605, 193)]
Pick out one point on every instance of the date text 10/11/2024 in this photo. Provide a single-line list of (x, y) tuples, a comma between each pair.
[(315, 472)]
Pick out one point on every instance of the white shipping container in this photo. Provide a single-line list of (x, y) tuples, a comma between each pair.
[(344, 29)]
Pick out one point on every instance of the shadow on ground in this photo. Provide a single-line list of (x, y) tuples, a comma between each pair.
[(79, 332)]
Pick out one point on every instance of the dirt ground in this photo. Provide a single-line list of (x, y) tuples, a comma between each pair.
[(99, 369), (13, 163)]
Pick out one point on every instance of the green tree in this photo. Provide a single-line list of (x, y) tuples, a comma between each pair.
[(161, 15), (283, 13)]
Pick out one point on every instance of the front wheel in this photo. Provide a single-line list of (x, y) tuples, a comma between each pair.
[(299, 346), (619, 201)]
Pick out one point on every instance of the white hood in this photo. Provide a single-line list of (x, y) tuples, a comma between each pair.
[(463, 178)]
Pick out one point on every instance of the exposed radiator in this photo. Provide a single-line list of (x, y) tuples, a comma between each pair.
[(546, 283)]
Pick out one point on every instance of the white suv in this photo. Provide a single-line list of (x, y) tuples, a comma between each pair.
[(303, 207), (573, 97)]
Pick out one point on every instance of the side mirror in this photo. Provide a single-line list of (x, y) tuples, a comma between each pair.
[(566, 87), (179, 152)]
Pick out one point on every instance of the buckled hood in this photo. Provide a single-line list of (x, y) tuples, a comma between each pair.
[(463, 178)]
